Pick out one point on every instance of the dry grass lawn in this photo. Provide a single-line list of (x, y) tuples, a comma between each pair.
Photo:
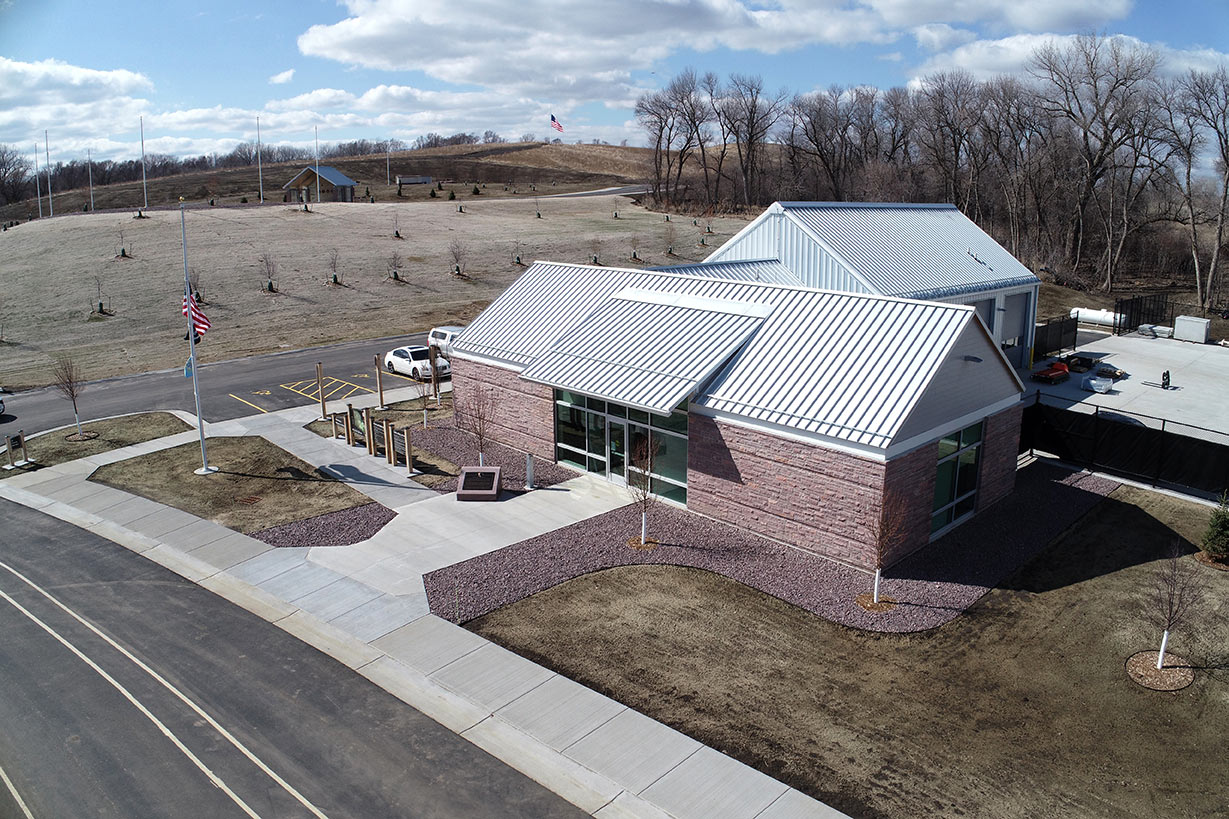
[(1021, 707), (56, 269), (258, 485), (113, 433)]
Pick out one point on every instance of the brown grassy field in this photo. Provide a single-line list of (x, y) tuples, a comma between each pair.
[(55, 271)]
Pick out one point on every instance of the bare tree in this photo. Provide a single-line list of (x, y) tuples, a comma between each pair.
[(642, 457), (459, 252), (14, 175), (1174, 591), (394, 265), (888, 531), (66, 378), (194, 283), (750, 114), (268, 266), (334, 259), (474, 412), (1209, 101)]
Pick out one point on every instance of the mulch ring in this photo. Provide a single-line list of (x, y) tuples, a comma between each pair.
[(342, 528), (1219, 563), (931, 587), (1176, 674)]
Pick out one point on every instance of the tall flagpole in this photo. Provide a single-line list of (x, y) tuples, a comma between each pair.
[(259, 173), (317, 164), (388, 168), (50, 202), (143, 187), (89, 163), (38, 183), (205, 469)]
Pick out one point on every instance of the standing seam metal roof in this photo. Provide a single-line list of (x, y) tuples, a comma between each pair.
[(841, 365), (770, 271), (327, 173)]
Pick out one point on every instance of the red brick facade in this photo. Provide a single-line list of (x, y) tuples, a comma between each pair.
[(1000, 450), (523, 413)]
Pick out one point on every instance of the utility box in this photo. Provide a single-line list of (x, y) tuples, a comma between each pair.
[(1192, 328)]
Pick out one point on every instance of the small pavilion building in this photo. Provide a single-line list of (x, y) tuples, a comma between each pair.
[(335, 186)]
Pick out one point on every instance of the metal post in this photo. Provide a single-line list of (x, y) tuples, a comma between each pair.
[(38, 183), (50, 201), (259, 173), (320, 389), (143, 185), (205, 469), (528, 470), (380, 381), (89, 163), (317, 165)]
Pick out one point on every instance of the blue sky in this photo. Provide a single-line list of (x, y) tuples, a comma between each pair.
[(201, 73)]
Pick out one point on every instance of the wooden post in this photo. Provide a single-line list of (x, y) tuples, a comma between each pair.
[(368, 438), (390, 452), (324, 413), (380, 382), (349, 425), (409, 453)]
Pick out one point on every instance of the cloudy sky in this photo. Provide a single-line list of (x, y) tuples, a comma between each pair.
[(201, 72)]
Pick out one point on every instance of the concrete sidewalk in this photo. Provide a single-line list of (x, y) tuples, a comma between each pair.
[(365, 606)]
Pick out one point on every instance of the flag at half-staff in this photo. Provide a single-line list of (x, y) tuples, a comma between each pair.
[(199, 322)]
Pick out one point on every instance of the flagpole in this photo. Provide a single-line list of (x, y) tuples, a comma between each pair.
[(50, 202), (205, 469), (317, 164), (259, 173), (38, 183), (89, 161), (143, 187)]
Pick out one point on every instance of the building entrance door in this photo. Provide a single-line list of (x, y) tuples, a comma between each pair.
[(616, 443)]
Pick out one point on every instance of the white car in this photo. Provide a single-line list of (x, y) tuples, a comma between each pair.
[(415, 361), (441, 338)]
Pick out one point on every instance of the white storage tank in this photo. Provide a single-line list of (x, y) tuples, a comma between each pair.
[(1192, 328), (1104, 318)]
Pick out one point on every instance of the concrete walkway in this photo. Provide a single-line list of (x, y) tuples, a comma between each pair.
[(365, 606)]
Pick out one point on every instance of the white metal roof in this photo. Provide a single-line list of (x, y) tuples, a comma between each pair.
[(841, 366), (770, 271), (922, 251), (647, 349)]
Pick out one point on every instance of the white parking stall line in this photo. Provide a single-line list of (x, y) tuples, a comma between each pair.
[(165, 684), (8, 783)]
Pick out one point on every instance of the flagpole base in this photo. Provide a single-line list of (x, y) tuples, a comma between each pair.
[(206, 470)]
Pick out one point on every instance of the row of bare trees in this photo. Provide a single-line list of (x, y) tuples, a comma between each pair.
[(1075, 167)]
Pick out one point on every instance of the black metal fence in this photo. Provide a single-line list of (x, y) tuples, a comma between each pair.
[(1128, 444), (1159, 308), (1053, 336)]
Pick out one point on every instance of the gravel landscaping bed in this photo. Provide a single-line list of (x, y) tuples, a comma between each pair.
[(342, 528), (931, 587), (461, 448)]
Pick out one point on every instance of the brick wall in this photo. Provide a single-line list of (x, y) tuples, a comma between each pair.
[(911, 482), (523, 413), (1000, 448), (815, 498)]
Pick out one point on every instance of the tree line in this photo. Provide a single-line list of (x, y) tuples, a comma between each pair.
[(1094, 165)]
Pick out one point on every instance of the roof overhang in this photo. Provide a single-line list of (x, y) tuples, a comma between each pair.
[(648, 349)]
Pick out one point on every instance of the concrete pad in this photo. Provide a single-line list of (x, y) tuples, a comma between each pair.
[(584, 788), (347, 560), (161, 521), (709, 783), (132, 509), (633, 750), (229, 550), (411, 686), (101, 501), (429, 643), (299, 581), (196, 534), (183, 565), (559, 712), (265, 565), (380, 616), (46, 482), (24, 497), (127, 538), (795, 805), (72, 492), (336, 598), (332, 641), (246, 596), (492, 676)]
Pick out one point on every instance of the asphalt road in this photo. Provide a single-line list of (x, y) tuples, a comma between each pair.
[(229, 389), (127, 691)]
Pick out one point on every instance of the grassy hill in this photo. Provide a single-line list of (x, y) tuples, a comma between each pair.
[(517, 165)]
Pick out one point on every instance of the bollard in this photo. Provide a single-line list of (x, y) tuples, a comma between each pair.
[(528, 471)]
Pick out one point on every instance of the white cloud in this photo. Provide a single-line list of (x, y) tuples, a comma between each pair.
[(50, 82), (891, 57), (940, 36), (1033, 15), (282, 78)]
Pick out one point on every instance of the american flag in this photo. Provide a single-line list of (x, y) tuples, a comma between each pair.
[(199, 322), (554, 123)]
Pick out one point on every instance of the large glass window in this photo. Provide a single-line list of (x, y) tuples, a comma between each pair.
[(956, 477), (601, 437)]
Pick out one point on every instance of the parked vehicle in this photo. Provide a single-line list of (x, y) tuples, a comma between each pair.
[(1, 406), (441, 338), (415, 361)]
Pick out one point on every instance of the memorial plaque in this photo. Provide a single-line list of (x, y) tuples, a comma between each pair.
[(478, 483)]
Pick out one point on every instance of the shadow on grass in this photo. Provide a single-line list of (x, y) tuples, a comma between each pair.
[(284, 473)]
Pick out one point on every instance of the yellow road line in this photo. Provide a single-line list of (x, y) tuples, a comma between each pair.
[(249, 403)]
